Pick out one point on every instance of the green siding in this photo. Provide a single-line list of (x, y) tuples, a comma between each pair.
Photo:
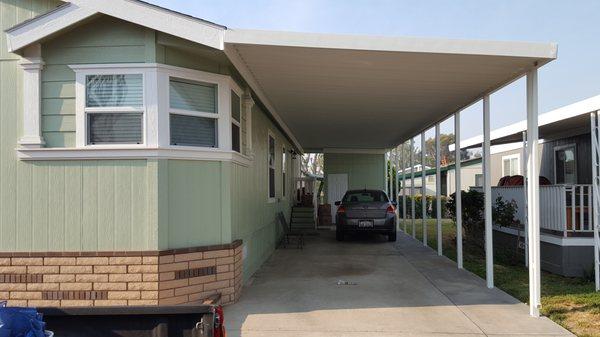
[(253, 218), (67, 205), (104, 40), (364, 170)]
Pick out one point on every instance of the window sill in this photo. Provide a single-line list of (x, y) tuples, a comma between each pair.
[(272, 200), (133, 152)]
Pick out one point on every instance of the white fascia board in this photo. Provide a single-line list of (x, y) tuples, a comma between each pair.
[(354, 151), (242, 68), (44, 25), (583, 107), (159, 19), (546, 51)]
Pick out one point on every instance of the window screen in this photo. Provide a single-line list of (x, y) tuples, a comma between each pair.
[(235, 107), (114, 91), (105, 128), (271, 161), (235, 137), (193, 131), (192, 96)]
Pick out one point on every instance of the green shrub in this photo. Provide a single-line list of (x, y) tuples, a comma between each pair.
[(472, 216)]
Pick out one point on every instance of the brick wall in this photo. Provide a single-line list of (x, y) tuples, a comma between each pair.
[(121, 278)]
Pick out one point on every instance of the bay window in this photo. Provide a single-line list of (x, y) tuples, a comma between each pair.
[(150, 110)]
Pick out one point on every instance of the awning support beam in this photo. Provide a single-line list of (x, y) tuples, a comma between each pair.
[(458, 191), (524, 173), (403, 186), (412, 187), (423, 190), (487, 190), (596, 195), (438, 189), (533, 194)]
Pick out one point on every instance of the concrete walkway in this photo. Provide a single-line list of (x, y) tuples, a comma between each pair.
[(401, 289)]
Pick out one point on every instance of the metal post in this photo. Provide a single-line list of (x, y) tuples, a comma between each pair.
[(524, 173), (458, 191), (533, 194), (395, 175), (596, 196), (403, 188), (487, 190), (423, 190), (412, 187), (387, 172), (438, 189)]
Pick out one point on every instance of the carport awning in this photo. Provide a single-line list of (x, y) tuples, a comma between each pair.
[(335, 91)]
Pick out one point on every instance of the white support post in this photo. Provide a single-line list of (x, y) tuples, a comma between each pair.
[(596, 195), (396, 190), (386, 172), (438, 189), (32, 65), (412, 187), (533, 194), (403, 188), (524, 174), (458, 191), (423, 190), (487, 190)]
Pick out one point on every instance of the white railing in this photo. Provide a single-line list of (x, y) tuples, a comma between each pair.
[(563, 208)]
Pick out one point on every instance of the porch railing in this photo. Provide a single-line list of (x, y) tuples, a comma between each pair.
[(563, 208), (306, 187)]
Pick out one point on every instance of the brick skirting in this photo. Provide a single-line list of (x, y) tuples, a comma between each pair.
[(121, 278)]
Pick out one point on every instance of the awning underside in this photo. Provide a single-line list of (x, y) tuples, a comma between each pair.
[(340, 98)]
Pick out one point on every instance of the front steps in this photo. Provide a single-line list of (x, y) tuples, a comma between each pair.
[(302, 218)]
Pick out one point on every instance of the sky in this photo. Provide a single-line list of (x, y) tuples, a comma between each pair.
[(574, 25)]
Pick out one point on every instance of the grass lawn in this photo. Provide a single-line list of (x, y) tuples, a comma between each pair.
[(571, 302)]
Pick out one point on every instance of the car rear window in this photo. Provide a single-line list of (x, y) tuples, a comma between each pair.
[(365, 196)]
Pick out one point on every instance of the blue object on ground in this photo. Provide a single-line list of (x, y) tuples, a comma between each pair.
[(20, 322)]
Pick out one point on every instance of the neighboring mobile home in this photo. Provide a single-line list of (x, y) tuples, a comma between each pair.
[(565, 156)]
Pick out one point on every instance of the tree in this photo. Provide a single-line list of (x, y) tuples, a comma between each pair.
[(312, 163), (447, 156)]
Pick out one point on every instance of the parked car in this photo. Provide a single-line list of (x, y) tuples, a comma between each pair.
[(366, 211)]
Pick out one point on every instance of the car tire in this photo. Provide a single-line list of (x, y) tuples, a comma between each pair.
[(339, 235), (392, 237)]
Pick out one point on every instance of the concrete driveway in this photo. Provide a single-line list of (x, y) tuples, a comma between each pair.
[(395, 289)]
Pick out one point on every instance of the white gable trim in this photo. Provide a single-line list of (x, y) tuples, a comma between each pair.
[(160, 19), (32, 31)]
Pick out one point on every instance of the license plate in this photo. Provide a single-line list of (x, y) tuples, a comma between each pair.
[(365, 223)]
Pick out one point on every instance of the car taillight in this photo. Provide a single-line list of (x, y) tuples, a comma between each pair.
[(341, 210), (219, 328), (391, 209)]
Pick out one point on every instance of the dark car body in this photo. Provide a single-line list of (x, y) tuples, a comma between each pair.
[(365, 211)]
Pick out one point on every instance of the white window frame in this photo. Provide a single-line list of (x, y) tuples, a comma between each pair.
[(155, 120), (562, 147), (510, 158), (82, 111), (271, 199), (283, 171), (237, 90)]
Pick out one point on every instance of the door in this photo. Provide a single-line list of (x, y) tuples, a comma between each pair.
[(337, 185)]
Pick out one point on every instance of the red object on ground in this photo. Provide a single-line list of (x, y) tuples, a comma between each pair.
[(219, 322)]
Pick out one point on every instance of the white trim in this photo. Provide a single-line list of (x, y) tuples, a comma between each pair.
[(552, 239), (247, 105), (354, 151), (391, 44), (96, 153), (32, 31), (160, 19), (562, 147), (32, 65)]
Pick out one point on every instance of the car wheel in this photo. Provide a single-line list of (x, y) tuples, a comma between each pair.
[(392, 237), (339, 235)]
